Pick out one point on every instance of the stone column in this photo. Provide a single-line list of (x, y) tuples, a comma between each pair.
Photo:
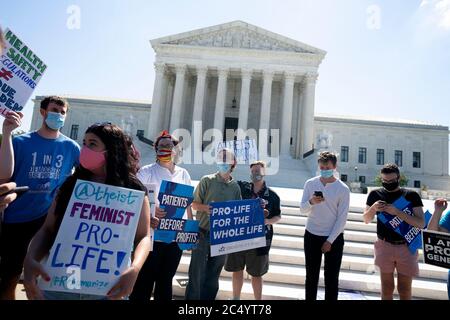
[(286, 116), (177, 104), (199, 99), (264, 119), (308, 112), (154, 126), (219, 115), (299, 134), (246, 76)]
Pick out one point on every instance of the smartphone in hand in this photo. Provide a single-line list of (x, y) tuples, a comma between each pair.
[(318, 194), (18, 190)]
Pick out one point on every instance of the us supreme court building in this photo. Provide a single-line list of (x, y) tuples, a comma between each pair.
[(240, 76)]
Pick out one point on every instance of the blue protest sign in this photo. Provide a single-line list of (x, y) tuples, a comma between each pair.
[(411, 234), (94, 242), (174, 198), (236, 226)]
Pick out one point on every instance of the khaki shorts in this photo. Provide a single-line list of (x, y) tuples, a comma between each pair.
[(257, 266), (389, 257)]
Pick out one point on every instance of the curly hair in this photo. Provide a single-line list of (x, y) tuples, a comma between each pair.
[(121, 165), (326, 156)]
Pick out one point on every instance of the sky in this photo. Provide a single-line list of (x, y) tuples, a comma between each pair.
[(386, 58)]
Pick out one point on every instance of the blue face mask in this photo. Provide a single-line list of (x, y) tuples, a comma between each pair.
[(326, 173), (54, 120), (223, 167)]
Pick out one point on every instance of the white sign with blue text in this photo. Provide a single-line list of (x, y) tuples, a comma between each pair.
[(95, 239)]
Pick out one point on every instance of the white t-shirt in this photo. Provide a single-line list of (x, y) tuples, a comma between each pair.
[(153, 174)]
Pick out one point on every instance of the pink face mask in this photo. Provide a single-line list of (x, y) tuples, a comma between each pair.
[(92, 160)]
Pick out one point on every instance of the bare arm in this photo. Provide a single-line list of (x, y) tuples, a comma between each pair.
[(440, 205), (273, 220), (415, 220), (39, 248), (189, 213), (11, 122), (142, 238), (197, 206), (369, 214), (125, 284)]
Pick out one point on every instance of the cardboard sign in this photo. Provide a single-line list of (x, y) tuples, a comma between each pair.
[(20, 72), (236, 226), (436, 248), (95, 239), (174, 198), (244, 150)]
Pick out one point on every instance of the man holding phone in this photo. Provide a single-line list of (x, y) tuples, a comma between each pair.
[(326, 200), (391, 250)]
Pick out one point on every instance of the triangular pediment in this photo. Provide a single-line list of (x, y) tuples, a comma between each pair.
[(239, 35)]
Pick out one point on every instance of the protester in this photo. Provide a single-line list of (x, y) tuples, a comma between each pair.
[(391, 250), (442, 224), (256, 261), (105, 158), (41, 160), (326, 200), (162, 263), (204, 270)]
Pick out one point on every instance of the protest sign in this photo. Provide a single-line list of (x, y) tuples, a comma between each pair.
[(236, 226), (412, 235), (174, 198), (95, 239), (244, 150), (436, 248), (152, 194), (20, 72)]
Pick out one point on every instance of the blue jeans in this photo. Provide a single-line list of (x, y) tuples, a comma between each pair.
[(204, 271), (56, 295)]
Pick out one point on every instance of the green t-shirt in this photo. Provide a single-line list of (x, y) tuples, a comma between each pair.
[(213, 188)]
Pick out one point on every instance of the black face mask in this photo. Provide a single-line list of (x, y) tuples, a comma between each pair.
[(391, 186)]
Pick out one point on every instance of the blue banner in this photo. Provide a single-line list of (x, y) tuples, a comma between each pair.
[(174, 198), (236, 226), (412, 235)]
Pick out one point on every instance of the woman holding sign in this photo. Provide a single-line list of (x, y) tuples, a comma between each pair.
[(106, 158), (162, 263)]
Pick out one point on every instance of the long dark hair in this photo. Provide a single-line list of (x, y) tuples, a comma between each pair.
[(121, 165)]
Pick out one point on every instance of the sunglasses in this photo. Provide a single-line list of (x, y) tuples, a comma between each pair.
[(100, 124)]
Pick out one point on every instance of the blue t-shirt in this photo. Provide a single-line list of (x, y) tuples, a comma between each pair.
[(42, 165), (445, 221)]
